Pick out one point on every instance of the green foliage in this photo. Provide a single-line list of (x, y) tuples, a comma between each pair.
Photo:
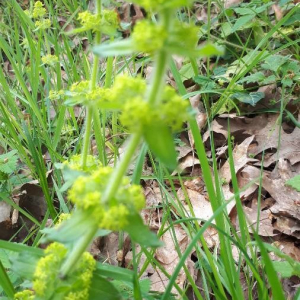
[(54, 80), (294, 183)]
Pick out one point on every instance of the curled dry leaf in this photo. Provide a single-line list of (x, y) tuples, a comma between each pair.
[(244, 178)]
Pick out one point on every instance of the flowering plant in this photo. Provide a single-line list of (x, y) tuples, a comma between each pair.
[(104, 199)]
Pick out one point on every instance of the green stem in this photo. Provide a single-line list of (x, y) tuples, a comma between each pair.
[(77, 251), (121, 169), (89, 114), (86, 141)]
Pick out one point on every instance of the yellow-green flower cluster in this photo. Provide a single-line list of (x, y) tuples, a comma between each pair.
[(162, 4), (38, 10), (43, 24), (126, 87), (148, 37), (54, 95), (171, 111), (75, 163), (49, 59), (62, 217), (24, 295), (107, 21), (114, 214), (80, 93), (83, 275), (39, 13), (46, 275)]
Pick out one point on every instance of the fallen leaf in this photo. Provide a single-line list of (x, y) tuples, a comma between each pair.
[(287, 199), (265, 227), (169, 258), (201, 206), (240, 159)]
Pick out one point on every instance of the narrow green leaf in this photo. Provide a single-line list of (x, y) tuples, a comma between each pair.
[(160, 141), (6, 283), (20, 248), (124, 47)]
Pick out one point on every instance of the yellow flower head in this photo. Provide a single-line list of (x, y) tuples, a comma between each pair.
[(54, 95), (107, 21), (126, 87), (50, 59), (24, 295), (38, 10), (46, 275), (43, 24), (114, 214), (80, 93), (136, 113), (148, 37), (75, 163), (171, 111), (62, 217)]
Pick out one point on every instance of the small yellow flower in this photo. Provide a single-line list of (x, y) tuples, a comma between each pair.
[(54, 95), (24, 295), (107, 22), (43, 24), (62, 217), (80, 93), (49, 59), (87, 192), (126, 87), (136, 113), (172, 111), (46, 275), (115, 218), (149, 37), (75, 163), (38, 10)]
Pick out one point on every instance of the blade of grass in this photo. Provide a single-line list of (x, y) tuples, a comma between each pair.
[(6, 283)]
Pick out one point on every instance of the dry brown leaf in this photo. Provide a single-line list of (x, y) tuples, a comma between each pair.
[(109, 248), (267, 138), (266, 132), (287, 199), (240, 159), (265, 221), (188, 162), (151, 214), (244, 177), (199, 203), (287, 226), (169, 258)]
